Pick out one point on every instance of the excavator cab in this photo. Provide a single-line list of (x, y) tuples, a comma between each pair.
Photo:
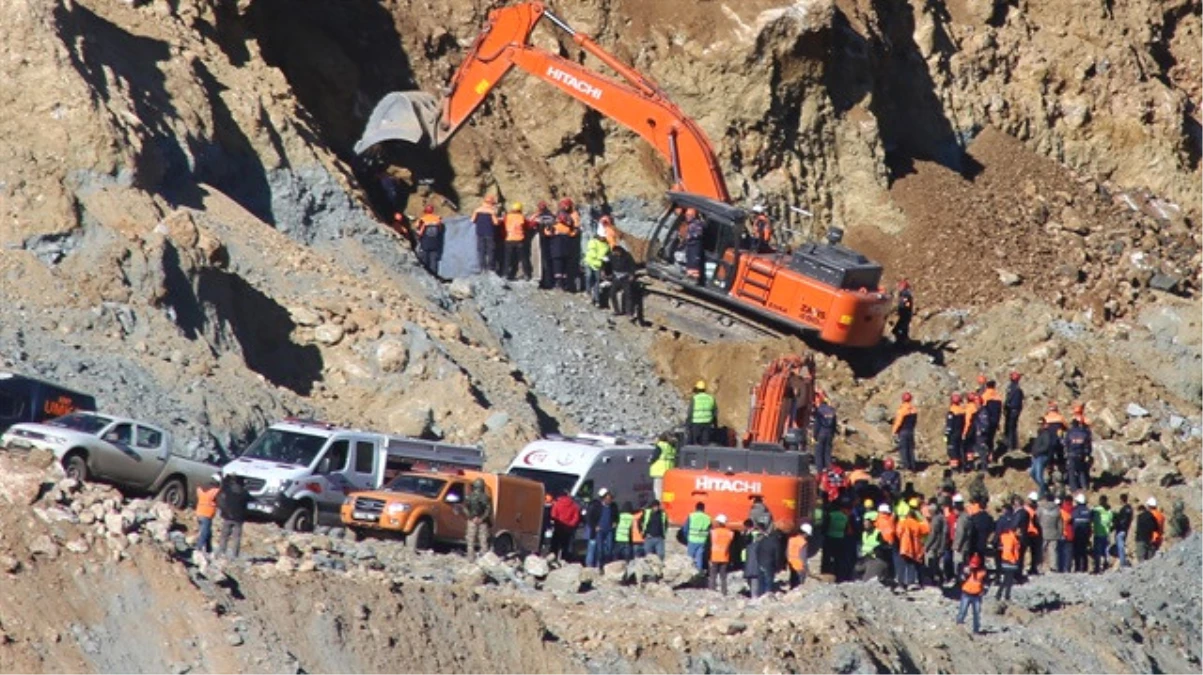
[(721, 242)]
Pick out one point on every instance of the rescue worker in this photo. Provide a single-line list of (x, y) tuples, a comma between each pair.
[(563, 256), (1012, 408), (232, 501), (769, 558), (905, 420), (701, 419), (637, 539), (981, 529), (1081, 520), (1100, 525), (430, 237), (655, 528), (697, 535), (824, 431), (1031, 539), (1079, 413), (992, 402), (759, 513), (837, 528), (601, 520), (1178, 524), (485, 219), (890, 480), (206, 511), (969, 432), (1043, 448), (977, 489), (1065, 545), (981, 435), (886, 525), (1078, 453), (622, 532), (666, 458), (1158, 537), (762, 230), (1009, 561), (753, 540), (565, 518), (516, 228), (596, 252), (960, 533), (609, 229), (1052, 530), (874, 554), (912, 529), (973, 587), (624, 291), (954, 430), (695, 233), (545, 226), (478, 507), (905, 308), (721, 537), (796, 554), (1146, 530), (937, 540), (1121, 525)]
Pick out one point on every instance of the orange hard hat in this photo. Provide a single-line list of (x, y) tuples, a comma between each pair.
[(1015, 375), (981, 379), (955, 398), (429, 208), (1079, 408), (906, 396)]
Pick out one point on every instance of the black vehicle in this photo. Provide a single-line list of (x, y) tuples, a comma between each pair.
[(25, 399)]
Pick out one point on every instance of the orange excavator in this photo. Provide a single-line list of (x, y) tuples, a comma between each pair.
[(820, 288), (772, 466)]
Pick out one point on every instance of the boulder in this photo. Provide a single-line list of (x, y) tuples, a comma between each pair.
[(1007, 278), (1135, 410), (328, 333), (615, 571), (730, 626), (497, 421), (391, 355), (1114, 459), (536, 566), (679, 570), (566, 579), (461, 289), (303, 316), (44, 545), (117, 523), (647, 569), (1138, 431)]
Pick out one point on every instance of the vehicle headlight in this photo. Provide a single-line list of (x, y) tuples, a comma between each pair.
[(397, 507), (57, 440)]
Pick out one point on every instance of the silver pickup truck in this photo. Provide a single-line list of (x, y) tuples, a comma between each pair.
[(130, 454)]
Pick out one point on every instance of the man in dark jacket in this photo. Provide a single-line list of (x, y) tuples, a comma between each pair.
[(769, 558), (232, 503), (937, 540), (981, 529), (1146, 525), (601, 519), (1051, 531), (1080, 519), (1012, 407), (1122, 524)]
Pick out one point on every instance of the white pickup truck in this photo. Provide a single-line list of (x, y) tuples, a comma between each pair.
[(298, 472), (130, 454)]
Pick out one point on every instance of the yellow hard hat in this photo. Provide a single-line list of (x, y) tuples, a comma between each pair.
[(700, 385), (868, 503), (516, 206)]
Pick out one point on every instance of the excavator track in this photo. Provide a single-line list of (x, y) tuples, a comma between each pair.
[(680, 312)]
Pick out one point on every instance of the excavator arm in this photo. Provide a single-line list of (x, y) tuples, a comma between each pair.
[(635, 102), (781, 401)]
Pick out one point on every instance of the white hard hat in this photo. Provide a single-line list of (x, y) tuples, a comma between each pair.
[(759, 208), (806, 528), (958, 499), (1152, 501), (601, 230), (721, 519), (1032, 496), (1080, 498), (884, 508), (603, 492)]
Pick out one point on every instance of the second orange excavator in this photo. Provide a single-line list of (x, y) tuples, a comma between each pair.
[(821, 288)]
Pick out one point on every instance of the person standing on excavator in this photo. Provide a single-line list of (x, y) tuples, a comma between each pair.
[(666, 458), (695, 232), (762, 230), (905, 308), (904, 431), (545, 226), (702, 418), (516, 227), (485, 219), (824, 430), (430, 236)]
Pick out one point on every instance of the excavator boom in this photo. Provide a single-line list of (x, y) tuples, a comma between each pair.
[(634, 101)]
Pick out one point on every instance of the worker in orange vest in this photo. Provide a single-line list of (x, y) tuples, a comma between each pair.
[(1158, 535), (486, 222), (1009, 544), (972, 589), (904, 431), (968, 437), (516, 228), (206, 510), (430, 236), (720, 552), (796, 553), (912, 530), (992, 401), (637, 532), (608, 228), (762, 230)]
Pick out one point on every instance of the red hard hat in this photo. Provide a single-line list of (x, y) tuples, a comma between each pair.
[(975, 397), (981, 379), (429, 208), (889, 464), (1052, 405), (955, 398), (1079, 408), (904, 284), (397, 217), (542, 205), (975, 560), (906, 396), (1015, 376)]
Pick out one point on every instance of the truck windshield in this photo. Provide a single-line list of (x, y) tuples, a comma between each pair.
[(89, 424), (423, 486), (554, 483), (286, 447)]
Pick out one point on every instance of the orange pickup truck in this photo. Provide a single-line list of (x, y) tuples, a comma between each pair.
[(425, 508)]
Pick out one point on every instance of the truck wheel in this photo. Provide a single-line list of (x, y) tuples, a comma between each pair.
[(75, 466), (503, 544), (420, 538), (175, 493), (301, 520)]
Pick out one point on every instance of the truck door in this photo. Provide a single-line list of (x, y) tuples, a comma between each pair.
[(362, 474), (119, 461), (153, 453), (333, 468), (453, 523)]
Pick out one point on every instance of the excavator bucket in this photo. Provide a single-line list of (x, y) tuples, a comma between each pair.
[(411, 116)]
